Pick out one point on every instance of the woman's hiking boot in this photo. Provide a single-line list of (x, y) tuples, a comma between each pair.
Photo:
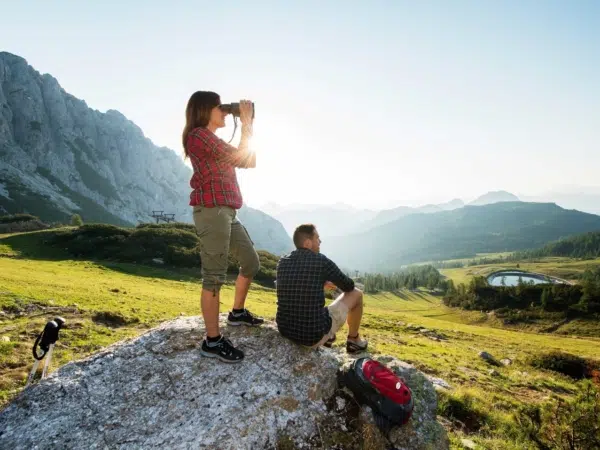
[(244, 317)]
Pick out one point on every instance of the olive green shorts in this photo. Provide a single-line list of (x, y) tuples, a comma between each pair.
[(220, 233)]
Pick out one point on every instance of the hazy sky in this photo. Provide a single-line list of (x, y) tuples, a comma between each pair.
[(382, 102)]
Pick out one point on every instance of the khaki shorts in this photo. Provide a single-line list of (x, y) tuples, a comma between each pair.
[(220, 232), (338, 311)]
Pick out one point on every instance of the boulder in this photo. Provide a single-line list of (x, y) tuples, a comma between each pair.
[(157, 391)]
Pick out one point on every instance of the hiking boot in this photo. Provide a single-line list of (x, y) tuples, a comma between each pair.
[(244, 318), (329, 342), (355, 346), (223, 349)]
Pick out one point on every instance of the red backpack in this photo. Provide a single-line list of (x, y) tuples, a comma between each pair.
[(377, 386)]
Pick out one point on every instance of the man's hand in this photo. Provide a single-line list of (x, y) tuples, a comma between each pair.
[(330, 285)]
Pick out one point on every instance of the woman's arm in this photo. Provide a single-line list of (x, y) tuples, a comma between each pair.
[(247, 119), (244, 158), (241, 156)]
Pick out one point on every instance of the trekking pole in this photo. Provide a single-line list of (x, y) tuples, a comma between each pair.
[(46, 340)]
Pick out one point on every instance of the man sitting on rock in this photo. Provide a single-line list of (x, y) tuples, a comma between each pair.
[(302, 315)]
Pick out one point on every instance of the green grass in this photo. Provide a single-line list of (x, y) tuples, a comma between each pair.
[(105, 302)]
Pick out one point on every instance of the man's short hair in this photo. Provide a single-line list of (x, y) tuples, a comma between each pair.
[(303, 232)]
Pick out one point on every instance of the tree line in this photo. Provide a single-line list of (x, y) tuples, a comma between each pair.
[(584, 246), (410, 277)]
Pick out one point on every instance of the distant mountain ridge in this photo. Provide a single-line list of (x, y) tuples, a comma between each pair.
[(458, 233), (390, 215), (341, 219), (494, 197), (59, 157)]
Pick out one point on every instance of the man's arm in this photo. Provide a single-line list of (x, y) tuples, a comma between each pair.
[(336, 276), (238, 157)]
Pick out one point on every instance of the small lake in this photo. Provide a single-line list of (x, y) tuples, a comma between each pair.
[(511, 278)]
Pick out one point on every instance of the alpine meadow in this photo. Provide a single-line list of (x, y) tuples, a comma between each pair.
[(171, 176)]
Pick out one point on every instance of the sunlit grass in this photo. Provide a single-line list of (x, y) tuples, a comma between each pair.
[(140, 297)]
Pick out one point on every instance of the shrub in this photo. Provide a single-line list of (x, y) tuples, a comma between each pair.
[(21, 222), (178, 225), (565, 363), (182, 257), (176, 243), (101, 230), (461, 407), (15, 218), (564, 424), (76, 220)]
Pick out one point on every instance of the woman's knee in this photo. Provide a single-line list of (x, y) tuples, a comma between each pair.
[(214, 269), (213, 280), (250, 264)]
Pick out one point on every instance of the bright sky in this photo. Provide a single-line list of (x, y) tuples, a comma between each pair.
[(382, 102)]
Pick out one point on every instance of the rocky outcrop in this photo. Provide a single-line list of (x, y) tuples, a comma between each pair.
[(157, 391), (59, 157)]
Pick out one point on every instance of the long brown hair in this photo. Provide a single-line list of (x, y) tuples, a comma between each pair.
[(197, 113)]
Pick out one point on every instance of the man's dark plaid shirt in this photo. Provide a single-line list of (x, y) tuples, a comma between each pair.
[(301, 313)]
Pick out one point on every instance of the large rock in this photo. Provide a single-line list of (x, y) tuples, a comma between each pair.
[(157, 391)]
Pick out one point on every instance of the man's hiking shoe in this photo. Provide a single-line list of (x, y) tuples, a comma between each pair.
[(356, 346), (223, 350), (329, 342), (244, 318)]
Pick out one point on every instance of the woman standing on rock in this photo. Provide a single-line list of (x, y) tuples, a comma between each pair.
[(216, 197)]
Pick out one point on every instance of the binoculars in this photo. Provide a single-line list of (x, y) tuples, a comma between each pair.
[(234, 109)]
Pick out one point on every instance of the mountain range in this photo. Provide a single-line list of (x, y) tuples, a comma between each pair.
[(341, 219), (59, 157), (458, 233)]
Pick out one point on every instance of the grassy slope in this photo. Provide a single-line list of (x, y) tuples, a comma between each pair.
[(134, 298)]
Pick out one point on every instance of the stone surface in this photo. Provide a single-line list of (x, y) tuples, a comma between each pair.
[(468, 443), (157, 391), (55, 149), (439, 382)]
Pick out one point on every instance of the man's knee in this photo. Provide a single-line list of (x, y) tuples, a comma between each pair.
[(359, 296), (353, 299)]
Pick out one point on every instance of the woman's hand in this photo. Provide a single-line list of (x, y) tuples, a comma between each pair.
[(246, 111)]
